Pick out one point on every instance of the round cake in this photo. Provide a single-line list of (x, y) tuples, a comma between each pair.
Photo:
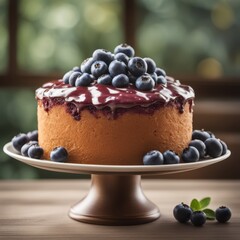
[(107, 123)]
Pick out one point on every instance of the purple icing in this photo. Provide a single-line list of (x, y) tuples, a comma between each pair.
[(112, 101)]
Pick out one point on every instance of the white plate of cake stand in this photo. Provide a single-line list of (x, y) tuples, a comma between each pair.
[(115, 196)]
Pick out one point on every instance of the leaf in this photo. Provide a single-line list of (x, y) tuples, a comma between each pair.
[(205, 202), (209, 213), (195, 205)]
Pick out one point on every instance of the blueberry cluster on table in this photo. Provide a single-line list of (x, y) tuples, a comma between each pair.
[(183, 213), (27, 145), (118, 69), (203, 144)]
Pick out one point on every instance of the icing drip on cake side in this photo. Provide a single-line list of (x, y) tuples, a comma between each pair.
[(112, 101)]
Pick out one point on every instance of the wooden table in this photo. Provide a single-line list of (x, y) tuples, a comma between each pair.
[(38, 210)]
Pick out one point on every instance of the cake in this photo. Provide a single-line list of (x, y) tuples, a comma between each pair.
[(114, 122)]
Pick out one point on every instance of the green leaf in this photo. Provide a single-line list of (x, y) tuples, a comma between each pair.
[(205, 202), (209, 213), (195, 205)]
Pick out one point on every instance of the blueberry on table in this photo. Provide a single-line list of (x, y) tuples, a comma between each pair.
[(26, 146), (145, 83), (33, 136), (116, 67), (151, 65), (170, 157), (73, 77), (99, 68), (102, 55), (153, 158), (35, 151), (121, 57), (59, 154), (84, 80), (214, 147), (198, 218), (160, 72), (190, 154), (86, 65), (223, 214), (19, 140), (201, 135), (124, 48), (105, 79), (66, 77), (161, 80), (200, 146), (182, 213), (120, 81), (137, 66)]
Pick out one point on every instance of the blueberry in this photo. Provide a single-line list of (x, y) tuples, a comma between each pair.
[(73, 77), (33, 136), (102, 55), (214, 147), (35, 151), (223, 214), (190, 154), (160, 72), (99, 68), (26, 146), (84, 80), (154, 76), (211, 134), (170, 157), (121, 57), (76, 69), (224, 146), (200, 146), (153, 158), (19, 140), (201, 135), (86, 65), (105, 79), (161, 80), (151, 65), (198, 218), (132, 79), (120, 81), (116, 68), (145, 83), (66, 77), (124, 48), (137, 66), (182, 213), (59, 154)]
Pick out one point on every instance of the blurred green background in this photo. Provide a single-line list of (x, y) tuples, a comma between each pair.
[(190, 37)]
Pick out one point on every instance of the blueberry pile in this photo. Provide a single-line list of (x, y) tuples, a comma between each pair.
[(183, 214), (27, 145), (119, 69), (203, 144)]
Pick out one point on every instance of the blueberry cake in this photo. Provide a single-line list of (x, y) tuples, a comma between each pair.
[(113, 109)]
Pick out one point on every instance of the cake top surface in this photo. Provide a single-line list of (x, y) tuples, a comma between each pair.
[(118, 79)]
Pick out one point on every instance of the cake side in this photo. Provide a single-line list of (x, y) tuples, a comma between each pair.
[(121, 141)]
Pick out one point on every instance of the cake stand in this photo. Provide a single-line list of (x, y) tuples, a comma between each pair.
[(115, 196)]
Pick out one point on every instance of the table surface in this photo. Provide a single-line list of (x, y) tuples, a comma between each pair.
[(38, 210)]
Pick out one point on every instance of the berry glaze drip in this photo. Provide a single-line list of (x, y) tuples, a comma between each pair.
[(112, 101)]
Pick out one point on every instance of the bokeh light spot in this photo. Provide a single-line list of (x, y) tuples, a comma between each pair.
[(210, 68), (223, 16)]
